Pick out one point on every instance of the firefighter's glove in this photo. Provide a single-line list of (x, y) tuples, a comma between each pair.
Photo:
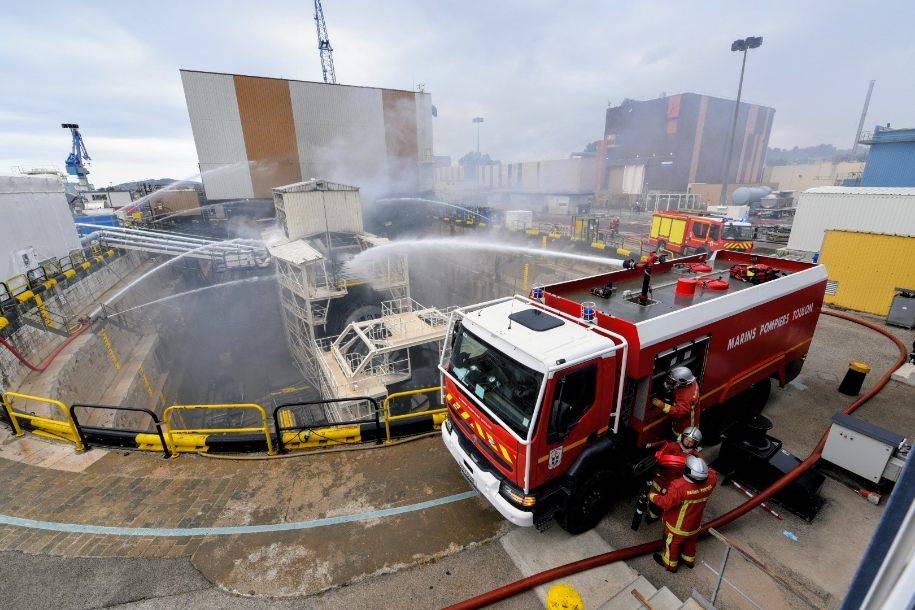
[(660, 404)]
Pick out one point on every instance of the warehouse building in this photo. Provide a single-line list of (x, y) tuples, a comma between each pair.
[(254, 134), (891, 158), (682, 139)]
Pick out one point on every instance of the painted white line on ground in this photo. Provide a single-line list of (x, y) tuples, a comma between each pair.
[(228, 530)]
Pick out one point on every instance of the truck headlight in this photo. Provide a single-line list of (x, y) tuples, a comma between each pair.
[(515, 495), (448, 426)]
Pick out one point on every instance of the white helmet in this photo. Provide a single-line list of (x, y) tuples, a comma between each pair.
[(696, 469), (679, 377), (693, 433)]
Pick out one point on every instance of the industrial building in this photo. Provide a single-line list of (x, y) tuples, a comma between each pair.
[(254, 134), (681, 139), (889, 211), (554, 186), (891, 158), (802, 176), (35, 222)]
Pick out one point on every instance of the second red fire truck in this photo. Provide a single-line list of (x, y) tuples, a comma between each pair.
[(550, 397)]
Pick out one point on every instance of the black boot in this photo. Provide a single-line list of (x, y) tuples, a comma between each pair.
[(660, 561)]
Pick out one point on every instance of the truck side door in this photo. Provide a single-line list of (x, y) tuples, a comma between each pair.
[(577, 407)]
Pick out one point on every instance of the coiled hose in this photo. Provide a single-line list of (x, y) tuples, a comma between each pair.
[(588, 563)]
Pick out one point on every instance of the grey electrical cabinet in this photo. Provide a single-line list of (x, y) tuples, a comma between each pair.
[(864, 449), (902, 309)]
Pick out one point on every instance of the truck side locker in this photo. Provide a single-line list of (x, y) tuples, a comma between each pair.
[(666, 222), (677, 230), (655, 227), (691, 354)]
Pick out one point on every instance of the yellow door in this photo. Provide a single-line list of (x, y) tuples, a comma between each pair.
[(677, 228), (655, 226), (665, 226)]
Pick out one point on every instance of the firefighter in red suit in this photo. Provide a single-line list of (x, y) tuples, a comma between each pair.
[(671, 459), (684, 409), (683, 505)]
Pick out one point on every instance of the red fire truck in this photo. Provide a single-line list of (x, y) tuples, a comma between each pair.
[(549, 397), (698, 234)]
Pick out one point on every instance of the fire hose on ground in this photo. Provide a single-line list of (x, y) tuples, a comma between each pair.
[(40, 368), (525, 584)]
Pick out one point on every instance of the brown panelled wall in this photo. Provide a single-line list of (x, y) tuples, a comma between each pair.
[(399, 108), (267, 124)]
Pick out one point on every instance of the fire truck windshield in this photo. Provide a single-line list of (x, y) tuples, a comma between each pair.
[(507, 388), (738, 232)]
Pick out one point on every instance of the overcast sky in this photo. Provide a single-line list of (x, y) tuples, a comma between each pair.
[(541, 73)]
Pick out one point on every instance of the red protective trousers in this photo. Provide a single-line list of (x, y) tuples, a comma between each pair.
[(683, 505)]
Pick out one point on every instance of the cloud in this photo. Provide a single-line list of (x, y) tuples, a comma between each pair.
[(540, 75)]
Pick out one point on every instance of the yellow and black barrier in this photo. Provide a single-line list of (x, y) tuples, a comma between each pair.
[(404, 423), (171, 438), (22, 293)]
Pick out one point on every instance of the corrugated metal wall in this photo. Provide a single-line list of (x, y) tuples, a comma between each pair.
[(890, 164), (340, 132), (286, 131), (866, 268), (270, 140), (873, 210), (213, 109), (311, 212)]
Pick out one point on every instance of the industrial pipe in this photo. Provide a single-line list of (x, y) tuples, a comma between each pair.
[(525, 584)]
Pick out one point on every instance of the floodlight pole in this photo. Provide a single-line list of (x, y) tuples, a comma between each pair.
[(738, 45)]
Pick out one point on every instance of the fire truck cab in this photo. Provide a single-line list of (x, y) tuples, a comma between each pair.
[(698, 234), (549, 397)]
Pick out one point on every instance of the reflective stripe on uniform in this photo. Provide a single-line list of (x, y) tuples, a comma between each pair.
[(666, 555)]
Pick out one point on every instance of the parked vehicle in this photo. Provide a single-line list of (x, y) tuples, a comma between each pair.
[(550, 397), (697, 234)]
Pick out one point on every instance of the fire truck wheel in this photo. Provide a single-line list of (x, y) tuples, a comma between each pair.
[(590, 500)]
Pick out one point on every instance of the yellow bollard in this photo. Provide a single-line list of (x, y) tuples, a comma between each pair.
[(564, 597)]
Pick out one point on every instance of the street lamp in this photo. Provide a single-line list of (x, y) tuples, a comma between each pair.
[(742, 45), (477, 120)]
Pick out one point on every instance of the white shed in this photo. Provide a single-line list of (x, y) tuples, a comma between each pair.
[(35, 223), (886, 210)]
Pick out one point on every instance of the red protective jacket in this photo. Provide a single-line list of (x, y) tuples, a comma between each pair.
[(684, 412), (684, 503), (669, 467)]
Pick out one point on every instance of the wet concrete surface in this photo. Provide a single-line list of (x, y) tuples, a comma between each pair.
[(393, 561), (822, 561)]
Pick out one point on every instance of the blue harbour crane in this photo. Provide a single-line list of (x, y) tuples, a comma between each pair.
[(77, 162)]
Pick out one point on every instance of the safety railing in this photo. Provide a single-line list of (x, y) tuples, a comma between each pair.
[(794, 588), (100, 432), (296, 425), (171, 431), (305, 429), (388, 418), (40, 425)]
